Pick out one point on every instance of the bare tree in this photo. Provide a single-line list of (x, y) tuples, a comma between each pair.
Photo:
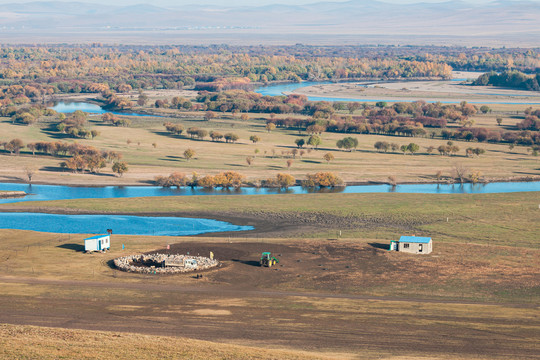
[(30, 172), (460, 172)]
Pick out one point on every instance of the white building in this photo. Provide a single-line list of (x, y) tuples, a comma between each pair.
[(413, 244), (97, 243)]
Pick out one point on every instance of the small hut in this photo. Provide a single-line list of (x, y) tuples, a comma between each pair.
[(413, 244), (97, 243)]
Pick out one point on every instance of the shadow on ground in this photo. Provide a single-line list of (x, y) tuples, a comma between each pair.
[(74, 247)]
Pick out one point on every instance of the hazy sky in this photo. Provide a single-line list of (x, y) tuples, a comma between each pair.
[(231, 2)]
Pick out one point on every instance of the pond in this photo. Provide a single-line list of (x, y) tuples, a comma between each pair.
[(120, 224), (69, 107), (58, 192)]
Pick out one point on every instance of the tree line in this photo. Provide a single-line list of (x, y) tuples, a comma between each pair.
[(233, 179)]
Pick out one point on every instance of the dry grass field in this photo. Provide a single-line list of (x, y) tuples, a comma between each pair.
[(270, 154), (345, 298)]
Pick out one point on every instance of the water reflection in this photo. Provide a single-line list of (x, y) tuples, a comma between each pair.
[(57, 192)]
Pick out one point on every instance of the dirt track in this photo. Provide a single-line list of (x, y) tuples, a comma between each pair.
[(246, 304)]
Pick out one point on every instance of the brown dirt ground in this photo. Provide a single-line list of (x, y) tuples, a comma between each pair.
[(305, 302)]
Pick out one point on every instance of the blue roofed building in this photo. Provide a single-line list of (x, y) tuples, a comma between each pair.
[(97, 243), (413, 244)]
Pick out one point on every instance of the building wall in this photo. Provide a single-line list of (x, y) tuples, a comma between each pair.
[(92, 244), (414, 248)]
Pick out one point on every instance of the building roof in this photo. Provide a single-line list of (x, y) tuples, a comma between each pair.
[(415, 239), (96, 237)]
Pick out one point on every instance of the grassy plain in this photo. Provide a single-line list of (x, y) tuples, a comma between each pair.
[(270, 154), (474, 297), (491, 219)]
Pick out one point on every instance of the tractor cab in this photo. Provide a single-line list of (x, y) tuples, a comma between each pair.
[(268, 260)]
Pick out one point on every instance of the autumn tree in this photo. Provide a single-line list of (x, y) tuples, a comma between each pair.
[(254, 138), (142, 100), (120, 168), (231, 137), (322, 179), (14, 146), (285, 180), (270, 127), (328, 157), (216, 136), (209, 115), (289, 163), (189, 154)]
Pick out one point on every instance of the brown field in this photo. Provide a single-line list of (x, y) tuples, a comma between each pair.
[(364, 165), (334, 298)]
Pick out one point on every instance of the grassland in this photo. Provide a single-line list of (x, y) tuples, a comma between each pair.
[(31, 342), (270, 154), (495, 219)]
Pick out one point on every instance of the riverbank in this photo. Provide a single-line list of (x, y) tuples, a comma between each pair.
[(12, 194), (250, 185), (498, 218)]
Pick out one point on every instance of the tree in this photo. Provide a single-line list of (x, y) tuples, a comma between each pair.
[(231, 137), (201, 134), (322, 179), (299, 142), (314, 141), (499, 121), (328, 157), (382, 146), (14, 146), (142, 99), (347, 143), (189, 154), (216, 136), (289, 163), (249, 160), (254, 138), (404, 149), (484, 109), (209, 115), (412, 148), (285, 180), (460, 172), (270, 127), (120, 168), (30, 172), (244, 117), (381, 104)]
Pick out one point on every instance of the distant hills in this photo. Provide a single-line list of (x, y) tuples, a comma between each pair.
[(505, 21)]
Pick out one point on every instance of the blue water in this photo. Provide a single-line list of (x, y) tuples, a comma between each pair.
[(277, 90), (290, 88), (120, 224), (69, 107), (57, 192)]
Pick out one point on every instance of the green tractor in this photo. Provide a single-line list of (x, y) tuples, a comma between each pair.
[(268, 260)]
